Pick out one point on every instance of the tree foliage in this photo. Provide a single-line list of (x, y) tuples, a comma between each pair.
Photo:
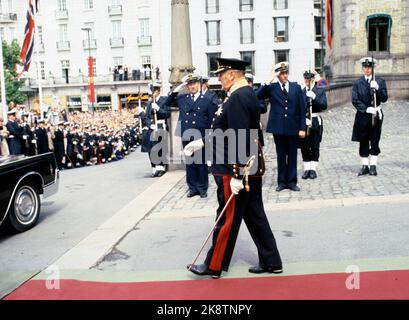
[(11, 58)]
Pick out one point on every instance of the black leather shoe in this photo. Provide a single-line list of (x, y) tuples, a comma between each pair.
[(372, 171), (313, 175), (203, 270), (306, 175), (364, 171), (203, 195), (161, 173), (193, 194), (294, 188), (258, 269), (280, 188)]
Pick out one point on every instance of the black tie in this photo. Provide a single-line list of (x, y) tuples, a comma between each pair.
[(193, 97), (284, 90)]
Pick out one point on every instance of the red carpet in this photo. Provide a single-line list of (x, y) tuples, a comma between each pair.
[(373, 285)]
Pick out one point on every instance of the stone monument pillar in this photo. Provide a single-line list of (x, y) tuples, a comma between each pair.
[(181, 65)]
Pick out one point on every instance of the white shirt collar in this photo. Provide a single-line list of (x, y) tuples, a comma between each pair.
[(287, 86)]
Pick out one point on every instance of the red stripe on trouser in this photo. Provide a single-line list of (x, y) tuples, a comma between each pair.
[(224, 234)]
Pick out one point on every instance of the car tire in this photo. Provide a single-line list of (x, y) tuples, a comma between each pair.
[(25, 208)]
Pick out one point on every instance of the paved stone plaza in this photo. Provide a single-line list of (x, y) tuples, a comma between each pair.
[(338, 166)]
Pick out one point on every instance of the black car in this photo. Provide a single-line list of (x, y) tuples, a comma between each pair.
[(22, 181)]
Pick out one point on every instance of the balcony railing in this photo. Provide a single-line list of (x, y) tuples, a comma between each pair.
[(63, 45), (116, 42), (145, 41), (8, 17), (115, 10), (61, 14), (91, 44)]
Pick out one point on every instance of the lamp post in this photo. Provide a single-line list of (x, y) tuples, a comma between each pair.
[(91, 87)]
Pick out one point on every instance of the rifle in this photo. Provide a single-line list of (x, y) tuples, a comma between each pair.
[(374, 93), (310, 104)]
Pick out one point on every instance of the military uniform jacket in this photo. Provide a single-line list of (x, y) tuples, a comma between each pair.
[(287, 114), (362, 100), (319, 104), (240, 111), (197, 114), (42, 141)]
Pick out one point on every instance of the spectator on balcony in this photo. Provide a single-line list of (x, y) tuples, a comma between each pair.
[(116, 74), (121, 73), (126, 74)]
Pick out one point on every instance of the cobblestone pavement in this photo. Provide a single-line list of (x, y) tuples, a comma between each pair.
[(338, 166)]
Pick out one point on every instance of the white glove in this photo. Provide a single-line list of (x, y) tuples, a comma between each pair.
[(179, 87), (371, 110), (374, 85), (308, 122), (311, 95), (192, 147), (140, 110), (153, 127), (155, 107), (33, 141), (236, 185)]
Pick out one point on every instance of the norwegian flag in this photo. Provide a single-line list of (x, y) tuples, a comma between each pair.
[(27, 49)]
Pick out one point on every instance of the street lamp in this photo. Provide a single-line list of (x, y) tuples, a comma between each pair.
[(91, 88)]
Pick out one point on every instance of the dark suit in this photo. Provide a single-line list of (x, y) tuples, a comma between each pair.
[(367, 135), (197, 115), (286, 120), (310, 148), (42, 141), (15, 137), (239, 113), (148, 118)]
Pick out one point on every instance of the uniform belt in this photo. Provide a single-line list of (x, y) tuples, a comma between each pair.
[(316, 115)]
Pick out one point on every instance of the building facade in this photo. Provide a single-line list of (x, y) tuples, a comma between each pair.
[(371, 28), (135, 35)]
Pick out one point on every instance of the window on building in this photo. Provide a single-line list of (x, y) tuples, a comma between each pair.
[(282, 55), (89, 4), (212, 6), (319, 59), (144, 27), (118, 61), (12, 33), (146, 60), (63, 32), (249, 57), (65, 70), (379, 32), (281, 29), (42, 70), (94, 65), (246, 5), (246, 31), (117, 29), (2, 33), (318, 28), (213, 33), (317, 4), (212, 62), (40, 34), (280, 4), (115, 2), (62, 5)]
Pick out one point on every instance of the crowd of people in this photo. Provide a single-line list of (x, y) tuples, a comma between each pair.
[(77, 139)]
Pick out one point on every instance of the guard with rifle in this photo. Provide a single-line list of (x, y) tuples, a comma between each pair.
[(316, 102), (367, 95), (154, 124), (241, 176)]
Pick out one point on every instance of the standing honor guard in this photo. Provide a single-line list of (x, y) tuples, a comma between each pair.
[(316, 101), (154, 120), (286, 122), (239, 114), (196, 112), (15, 134), (367, 95)]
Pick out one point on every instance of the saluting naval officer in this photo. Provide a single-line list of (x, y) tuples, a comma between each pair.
[(154, 120), (286, 122), (240, 113), (369, 117), (196, 112), (316, 102)]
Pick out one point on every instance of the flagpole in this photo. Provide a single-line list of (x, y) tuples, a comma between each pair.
[(3, 83), (36, 44)]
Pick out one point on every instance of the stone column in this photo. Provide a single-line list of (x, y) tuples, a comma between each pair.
[(181, 65)]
